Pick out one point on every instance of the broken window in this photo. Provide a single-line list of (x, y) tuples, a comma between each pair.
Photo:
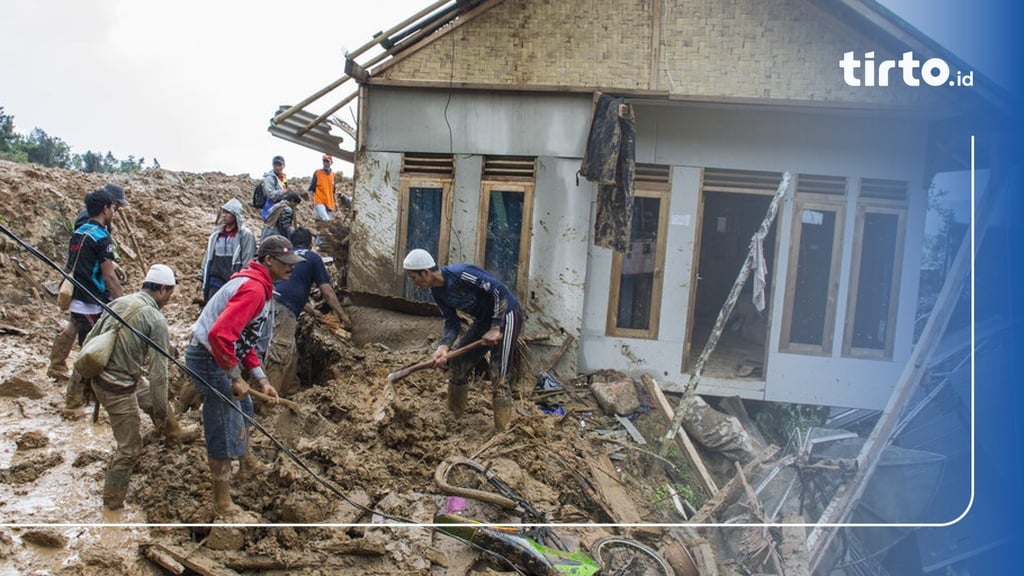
[(634, 304), (506, 203), (424, 215), (814, 258), (874, 278)]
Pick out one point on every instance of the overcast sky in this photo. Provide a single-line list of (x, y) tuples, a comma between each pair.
[(194, 83)]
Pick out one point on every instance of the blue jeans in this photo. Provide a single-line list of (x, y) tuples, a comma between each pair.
[(224, 429)]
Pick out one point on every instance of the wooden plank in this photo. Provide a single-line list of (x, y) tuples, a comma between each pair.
[(731, 488), (194, 562), (611, 491), (682, 438), (794, 547)]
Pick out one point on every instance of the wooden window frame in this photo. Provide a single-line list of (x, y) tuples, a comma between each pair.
[(827, 203), (526, 233), (408, 181), (875, 206), (661, 191)]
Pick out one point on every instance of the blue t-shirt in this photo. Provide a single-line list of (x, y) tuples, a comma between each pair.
[(475, 292), (294, 292)]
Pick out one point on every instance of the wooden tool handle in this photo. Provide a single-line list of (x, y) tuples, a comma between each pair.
[(269, 399), (399, 374)]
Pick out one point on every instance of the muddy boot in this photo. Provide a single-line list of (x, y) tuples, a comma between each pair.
[(249, 466), (74, 395), (173, 433), (457, 396), (62, 345), (115, 488), (502, 413), (222, 503)]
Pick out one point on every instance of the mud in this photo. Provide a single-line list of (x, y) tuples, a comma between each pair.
[(374, 446)]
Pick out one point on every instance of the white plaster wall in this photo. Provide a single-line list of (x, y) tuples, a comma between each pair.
[(851, 144), (570, 278)]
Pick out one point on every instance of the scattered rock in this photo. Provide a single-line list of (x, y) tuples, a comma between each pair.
[(617, 397)]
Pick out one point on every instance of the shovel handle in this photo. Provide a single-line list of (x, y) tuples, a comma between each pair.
[(399, 374), (269, 399)]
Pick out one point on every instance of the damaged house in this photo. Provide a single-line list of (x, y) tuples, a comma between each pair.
[(473, 122), (611, 161)]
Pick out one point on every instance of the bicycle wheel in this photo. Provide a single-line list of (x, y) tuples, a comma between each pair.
[(625, 557)]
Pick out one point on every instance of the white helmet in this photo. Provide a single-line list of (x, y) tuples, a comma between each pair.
[(418, 259)]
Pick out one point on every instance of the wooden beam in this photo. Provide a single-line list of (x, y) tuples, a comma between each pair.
[(732, 488), (687, 446)]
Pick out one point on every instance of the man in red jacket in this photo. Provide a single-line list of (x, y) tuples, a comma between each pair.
[(223, 344)]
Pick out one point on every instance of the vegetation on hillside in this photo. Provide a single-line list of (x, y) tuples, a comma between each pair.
[(50, 151)]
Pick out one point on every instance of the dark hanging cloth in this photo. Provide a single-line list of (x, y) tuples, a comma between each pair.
[(610, 161)]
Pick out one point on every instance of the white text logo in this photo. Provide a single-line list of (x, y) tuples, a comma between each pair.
[(933, 71)]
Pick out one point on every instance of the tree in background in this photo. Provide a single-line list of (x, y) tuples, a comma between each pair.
[(46, 150), (10, 141), (52, 152)]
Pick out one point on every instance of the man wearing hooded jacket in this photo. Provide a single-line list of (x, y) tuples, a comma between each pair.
[(223, 344), (230, 247)]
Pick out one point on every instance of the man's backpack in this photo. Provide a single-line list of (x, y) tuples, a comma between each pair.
[(258, 197)]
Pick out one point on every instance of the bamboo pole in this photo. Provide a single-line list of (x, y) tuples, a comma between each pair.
[(376, 39), (846, 497), (723, 314)]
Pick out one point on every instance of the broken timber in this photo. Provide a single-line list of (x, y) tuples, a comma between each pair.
[(681, 437), (726, 311), (846, 497)]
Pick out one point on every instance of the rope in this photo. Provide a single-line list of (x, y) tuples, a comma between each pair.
[(248, 419)]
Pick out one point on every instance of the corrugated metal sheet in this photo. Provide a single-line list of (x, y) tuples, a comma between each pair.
[(320, 138)]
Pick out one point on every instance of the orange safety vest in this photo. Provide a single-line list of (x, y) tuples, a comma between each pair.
[(323, 193)]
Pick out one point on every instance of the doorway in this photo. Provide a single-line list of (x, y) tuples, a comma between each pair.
[(729, 220)]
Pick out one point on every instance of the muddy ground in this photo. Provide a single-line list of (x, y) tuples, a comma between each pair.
[(377, 445)]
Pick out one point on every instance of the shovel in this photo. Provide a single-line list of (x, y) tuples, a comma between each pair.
[(402, 373), (389, 390)]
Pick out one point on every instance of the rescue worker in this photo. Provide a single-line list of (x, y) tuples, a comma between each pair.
[(122, 388), (224, 342), (91, 262), (229, 248), (291, 297), (497, 320)]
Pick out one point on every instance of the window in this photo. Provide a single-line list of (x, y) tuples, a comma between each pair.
[(506, 206), (812, 279), (424, 212), (877, 261), (634, 304)]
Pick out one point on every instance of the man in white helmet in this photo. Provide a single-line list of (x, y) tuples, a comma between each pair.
[(497, 320), (122, 388)]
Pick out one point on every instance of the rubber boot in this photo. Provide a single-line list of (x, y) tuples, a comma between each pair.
[(457, 396), (115, 488), (74, 395), (249, 466), (502, 413), (59, 352), (222, 503)]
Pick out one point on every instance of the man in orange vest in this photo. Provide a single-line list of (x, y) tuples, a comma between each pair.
[(321, 190)]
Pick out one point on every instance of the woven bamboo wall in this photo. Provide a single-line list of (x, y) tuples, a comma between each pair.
[(760, 49)]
